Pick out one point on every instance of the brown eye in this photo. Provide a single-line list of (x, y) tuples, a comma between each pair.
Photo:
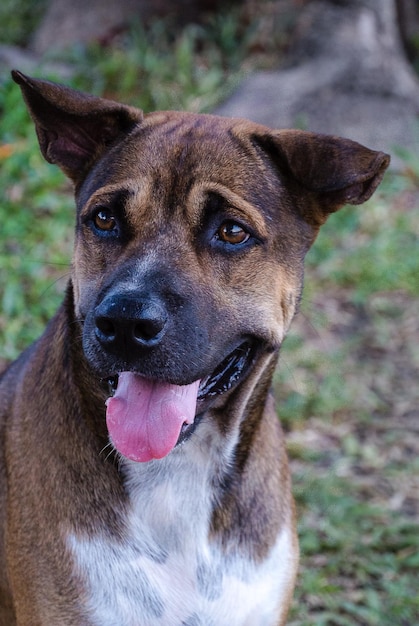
[(233, 233), (104, 220)]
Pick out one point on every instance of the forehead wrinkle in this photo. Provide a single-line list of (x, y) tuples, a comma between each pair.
[(140, 196), (153, 213), (190, 142), (147, 211)]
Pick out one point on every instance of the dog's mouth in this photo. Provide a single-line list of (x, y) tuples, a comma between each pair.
[(228, 372), (147, 418)]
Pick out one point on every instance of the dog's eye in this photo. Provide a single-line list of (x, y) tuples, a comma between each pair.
[(232, 233), (104, 220)]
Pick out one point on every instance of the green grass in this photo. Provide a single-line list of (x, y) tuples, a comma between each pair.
[(36, 213), (347, 385)]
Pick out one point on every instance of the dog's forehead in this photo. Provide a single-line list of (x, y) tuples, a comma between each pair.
[(170, 153), (189, 143)]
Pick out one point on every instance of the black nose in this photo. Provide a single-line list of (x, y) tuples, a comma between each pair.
[(129, 322)]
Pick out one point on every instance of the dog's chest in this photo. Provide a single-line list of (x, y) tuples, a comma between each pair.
[(164, 571)]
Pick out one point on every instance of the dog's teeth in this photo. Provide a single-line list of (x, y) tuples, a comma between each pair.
[(112, 384)]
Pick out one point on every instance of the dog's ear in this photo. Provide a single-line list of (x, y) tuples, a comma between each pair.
[(334, 171), (74, 129)]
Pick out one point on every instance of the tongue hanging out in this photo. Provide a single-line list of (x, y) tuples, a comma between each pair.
[(144, 417)]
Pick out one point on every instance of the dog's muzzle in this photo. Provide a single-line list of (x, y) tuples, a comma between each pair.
[(164, 371)]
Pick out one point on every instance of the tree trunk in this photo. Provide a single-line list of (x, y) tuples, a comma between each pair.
[(346, 74)]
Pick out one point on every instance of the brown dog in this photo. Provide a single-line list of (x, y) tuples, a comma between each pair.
[(188, 265)]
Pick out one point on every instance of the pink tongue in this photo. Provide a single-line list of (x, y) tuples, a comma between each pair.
[(144, 417)]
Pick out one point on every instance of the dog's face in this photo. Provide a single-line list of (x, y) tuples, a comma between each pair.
[(191, 235), (188, 253)]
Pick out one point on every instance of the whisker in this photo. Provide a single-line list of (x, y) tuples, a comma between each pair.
[(112, 450)]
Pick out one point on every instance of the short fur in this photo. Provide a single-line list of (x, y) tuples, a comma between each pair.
[(205, 535)]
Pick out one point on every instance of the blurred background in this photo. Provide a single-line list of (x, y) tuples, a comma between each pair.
[(348, 383)]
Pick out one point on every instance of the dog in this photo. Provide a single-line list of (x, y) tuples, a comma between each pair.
[(143, 473)]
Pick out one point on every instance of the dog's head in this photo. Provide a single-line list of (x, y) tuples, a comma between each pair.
[(190, 240)]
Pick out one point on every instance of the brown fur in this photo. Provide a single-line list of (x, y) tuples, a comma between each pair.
[(168, 171)]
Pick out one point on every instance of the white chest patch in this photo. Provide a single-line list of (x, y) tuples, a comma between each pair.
[(164, 571)]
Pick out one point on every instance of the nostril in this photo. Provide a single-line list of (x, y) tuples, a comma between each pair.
[(106, 328), (147, 329)]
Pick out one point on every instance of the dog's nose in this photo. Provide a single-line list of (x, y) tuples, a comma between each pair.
[(127, 322)]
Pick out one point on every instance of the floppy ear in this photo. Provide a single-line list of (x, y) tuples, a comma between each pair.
[(74, 129), (334, 171)]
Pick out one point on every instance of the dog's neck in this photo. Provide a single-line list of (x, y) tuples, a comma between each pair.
[(177, 494)]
